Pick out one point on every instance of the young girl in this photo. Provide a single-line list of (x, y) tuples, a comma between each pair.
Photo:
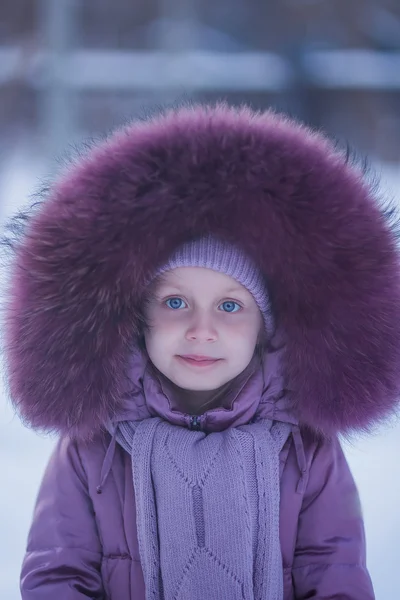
[(199, 307)]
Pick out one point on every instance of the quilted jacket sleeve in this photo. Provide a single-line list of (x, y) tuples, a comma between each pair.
[(330, 555), (63, 555)]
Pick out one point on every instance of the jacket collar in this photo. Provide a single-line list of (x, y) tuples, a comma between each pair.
[(256, 393)]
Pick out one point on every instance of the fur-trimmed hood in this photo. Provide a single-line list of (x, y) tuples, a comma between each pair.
[(284, 193)]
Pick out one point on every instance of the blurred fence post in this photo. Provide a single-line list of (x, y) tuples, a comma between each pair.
[(178, 32), (179, 25), (57, 105)]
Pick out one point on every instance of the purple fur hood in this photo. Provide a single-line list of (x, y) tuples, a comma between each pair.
[(293, 202)]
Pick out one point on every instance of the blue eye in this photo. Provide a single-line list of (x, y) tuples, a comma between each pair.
[(175, 303), (230, 307)]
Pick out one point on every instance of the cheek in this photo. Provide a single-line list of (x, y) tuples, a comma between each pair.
[(162, 329), (243, 330), (161, 317)]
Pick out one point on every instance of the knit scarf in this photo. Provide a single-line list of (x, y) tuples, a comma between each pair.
[(207, 509)]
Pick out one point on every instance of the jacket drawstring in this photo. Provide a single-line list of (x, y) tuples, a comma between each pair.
[(107, 462), (301, 459)]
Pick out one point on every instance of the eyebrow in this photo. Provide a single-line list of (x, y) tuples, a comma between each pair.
[(176, 288), (236, 288)]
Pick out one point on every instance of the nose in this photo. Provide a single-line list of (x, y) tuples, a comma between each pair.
[(201, 328)]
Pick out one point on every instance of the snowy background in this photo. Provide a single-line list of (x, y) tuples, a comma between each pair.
[(375, 460)]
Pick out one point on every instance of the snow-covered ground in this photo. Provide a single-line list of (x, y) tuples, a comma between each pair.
[(375, 460)]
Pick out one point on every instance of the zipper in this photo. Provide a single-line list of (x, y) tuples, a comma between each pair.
[(195, 422)]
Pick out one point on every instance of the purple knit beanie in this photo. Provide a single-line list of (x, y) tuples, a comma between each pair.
[(211, 253)]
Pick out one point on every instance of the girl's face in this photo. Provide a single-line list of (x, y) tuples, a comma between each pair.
[(203, 327)]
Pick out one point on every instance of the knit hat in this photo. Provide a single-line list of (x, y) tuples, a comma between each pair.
[(221, 256)]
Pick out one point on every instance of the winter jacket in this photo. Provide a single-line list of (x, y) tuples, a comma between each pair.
[(73, 328)]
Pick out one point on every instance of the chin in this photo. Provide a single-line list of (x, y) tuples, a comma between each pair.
[(192, 387), (199, 386)]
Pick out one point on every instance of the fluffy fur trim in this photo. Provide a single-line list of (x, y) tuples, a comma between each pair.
[(283, 192)]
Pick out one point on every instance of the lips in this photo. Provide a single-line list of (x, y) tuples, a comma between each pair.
[(198, 361)]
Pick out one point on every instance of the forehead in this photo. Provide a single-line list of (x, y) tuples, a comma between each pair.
[(199, 279)]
